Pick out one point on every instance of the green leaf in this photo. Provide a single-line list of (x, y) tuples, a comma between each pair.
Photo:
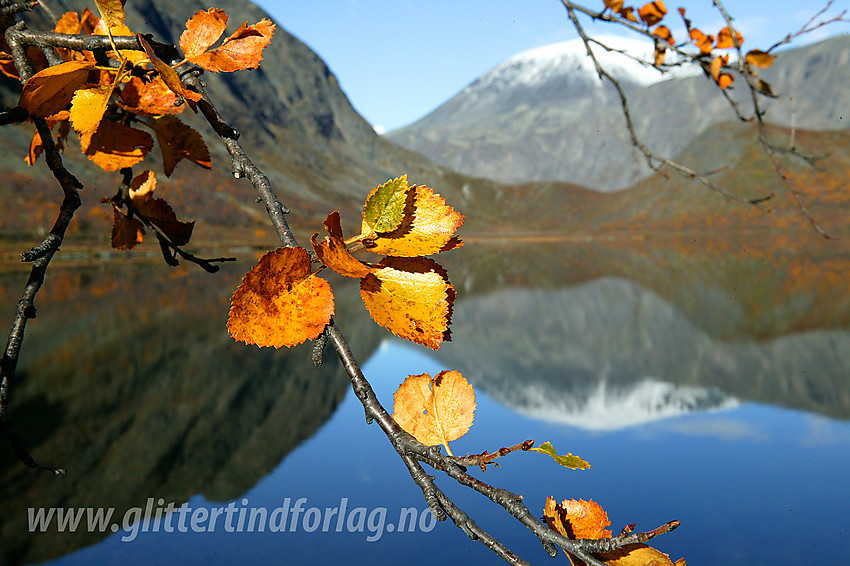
[(568, 461), (384, 208)]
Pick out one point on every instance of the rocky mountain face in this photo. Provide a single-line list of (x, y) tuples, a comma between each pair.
[(295, 123), (544, 114)]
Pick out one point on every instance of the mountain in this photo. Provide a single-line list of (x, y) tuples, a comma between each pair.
[(295, 123), (544, 114)]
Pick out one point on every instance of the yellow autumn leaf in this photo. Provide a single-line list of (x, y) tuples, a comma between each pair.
[(112, 11), (435, 410), (280, 302), (429, 227), (410, 297), (88, 107)]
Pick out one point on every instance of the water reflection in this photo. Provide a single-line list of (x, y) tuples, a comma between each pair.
[(657, 361), (129, 380)]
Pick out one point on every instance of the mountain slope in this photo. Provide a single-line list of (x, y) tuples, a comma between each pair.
[(295, 123), (570, 127)]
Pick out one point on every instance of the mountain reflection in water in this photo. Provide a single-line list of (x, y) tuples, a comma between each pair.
[(129, 379)]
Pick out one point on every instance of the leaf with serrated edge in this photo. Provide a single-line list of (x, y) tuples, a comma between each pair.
[(435, 411), (243, 49), (430, 229), (280, 302), (410, 297), (51, 89), (384, 208), (577, 519), (114, 146), (202, 30), (112, 11), (638, 555), (333, 252), (169, 75), (177, 140), (127, 232), (88, 107), (568, 460)]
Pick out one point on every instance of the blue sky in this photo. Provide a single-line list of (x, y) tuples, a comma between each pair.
[(398, 60)]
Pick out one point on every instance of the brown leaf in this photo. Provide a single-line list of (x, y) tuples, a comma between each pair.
[(758, 58), (435, 411), (202, 30), (280, 302), (241, 50), (127, 232), (114, 146), (410, 297), (157, 211), (51, 90), (177, 141), (333, 252)]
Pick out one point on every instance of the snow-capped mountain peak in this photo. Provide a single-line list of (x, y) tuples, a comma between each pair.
[(539, 65)]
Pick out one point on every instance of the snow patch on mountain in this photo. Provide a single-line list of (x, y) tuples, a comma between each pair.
[(606, 408), (539, 65)]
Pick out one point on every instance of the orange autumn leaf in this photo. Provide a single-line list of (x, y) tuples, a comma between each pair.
[(202, 30), (725, 41), (435, 410), (428, 228), (652, 12), (243, 49), (114, 146), (127, 232), (51, 89), (702, 41), (663, 32), (153, 98), (88, 107), (177, 140), (628, 13), (168, 74), (614, 5), (725, 80), (333, 252), (280, 302), (410, 297), (758, 58), (577, 519), (638, 555)]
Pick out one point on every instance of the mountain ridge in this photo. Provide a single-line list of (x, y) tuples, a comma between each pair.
[(512, 135)]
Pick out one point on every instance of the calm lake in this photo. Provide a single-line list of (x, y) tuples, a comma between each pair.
[(704, 380)]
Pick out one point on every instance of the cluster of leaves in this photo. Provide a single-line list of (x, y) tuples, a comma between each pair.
[(715, 65), (580, 519), (114, 103), (282, 301)]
